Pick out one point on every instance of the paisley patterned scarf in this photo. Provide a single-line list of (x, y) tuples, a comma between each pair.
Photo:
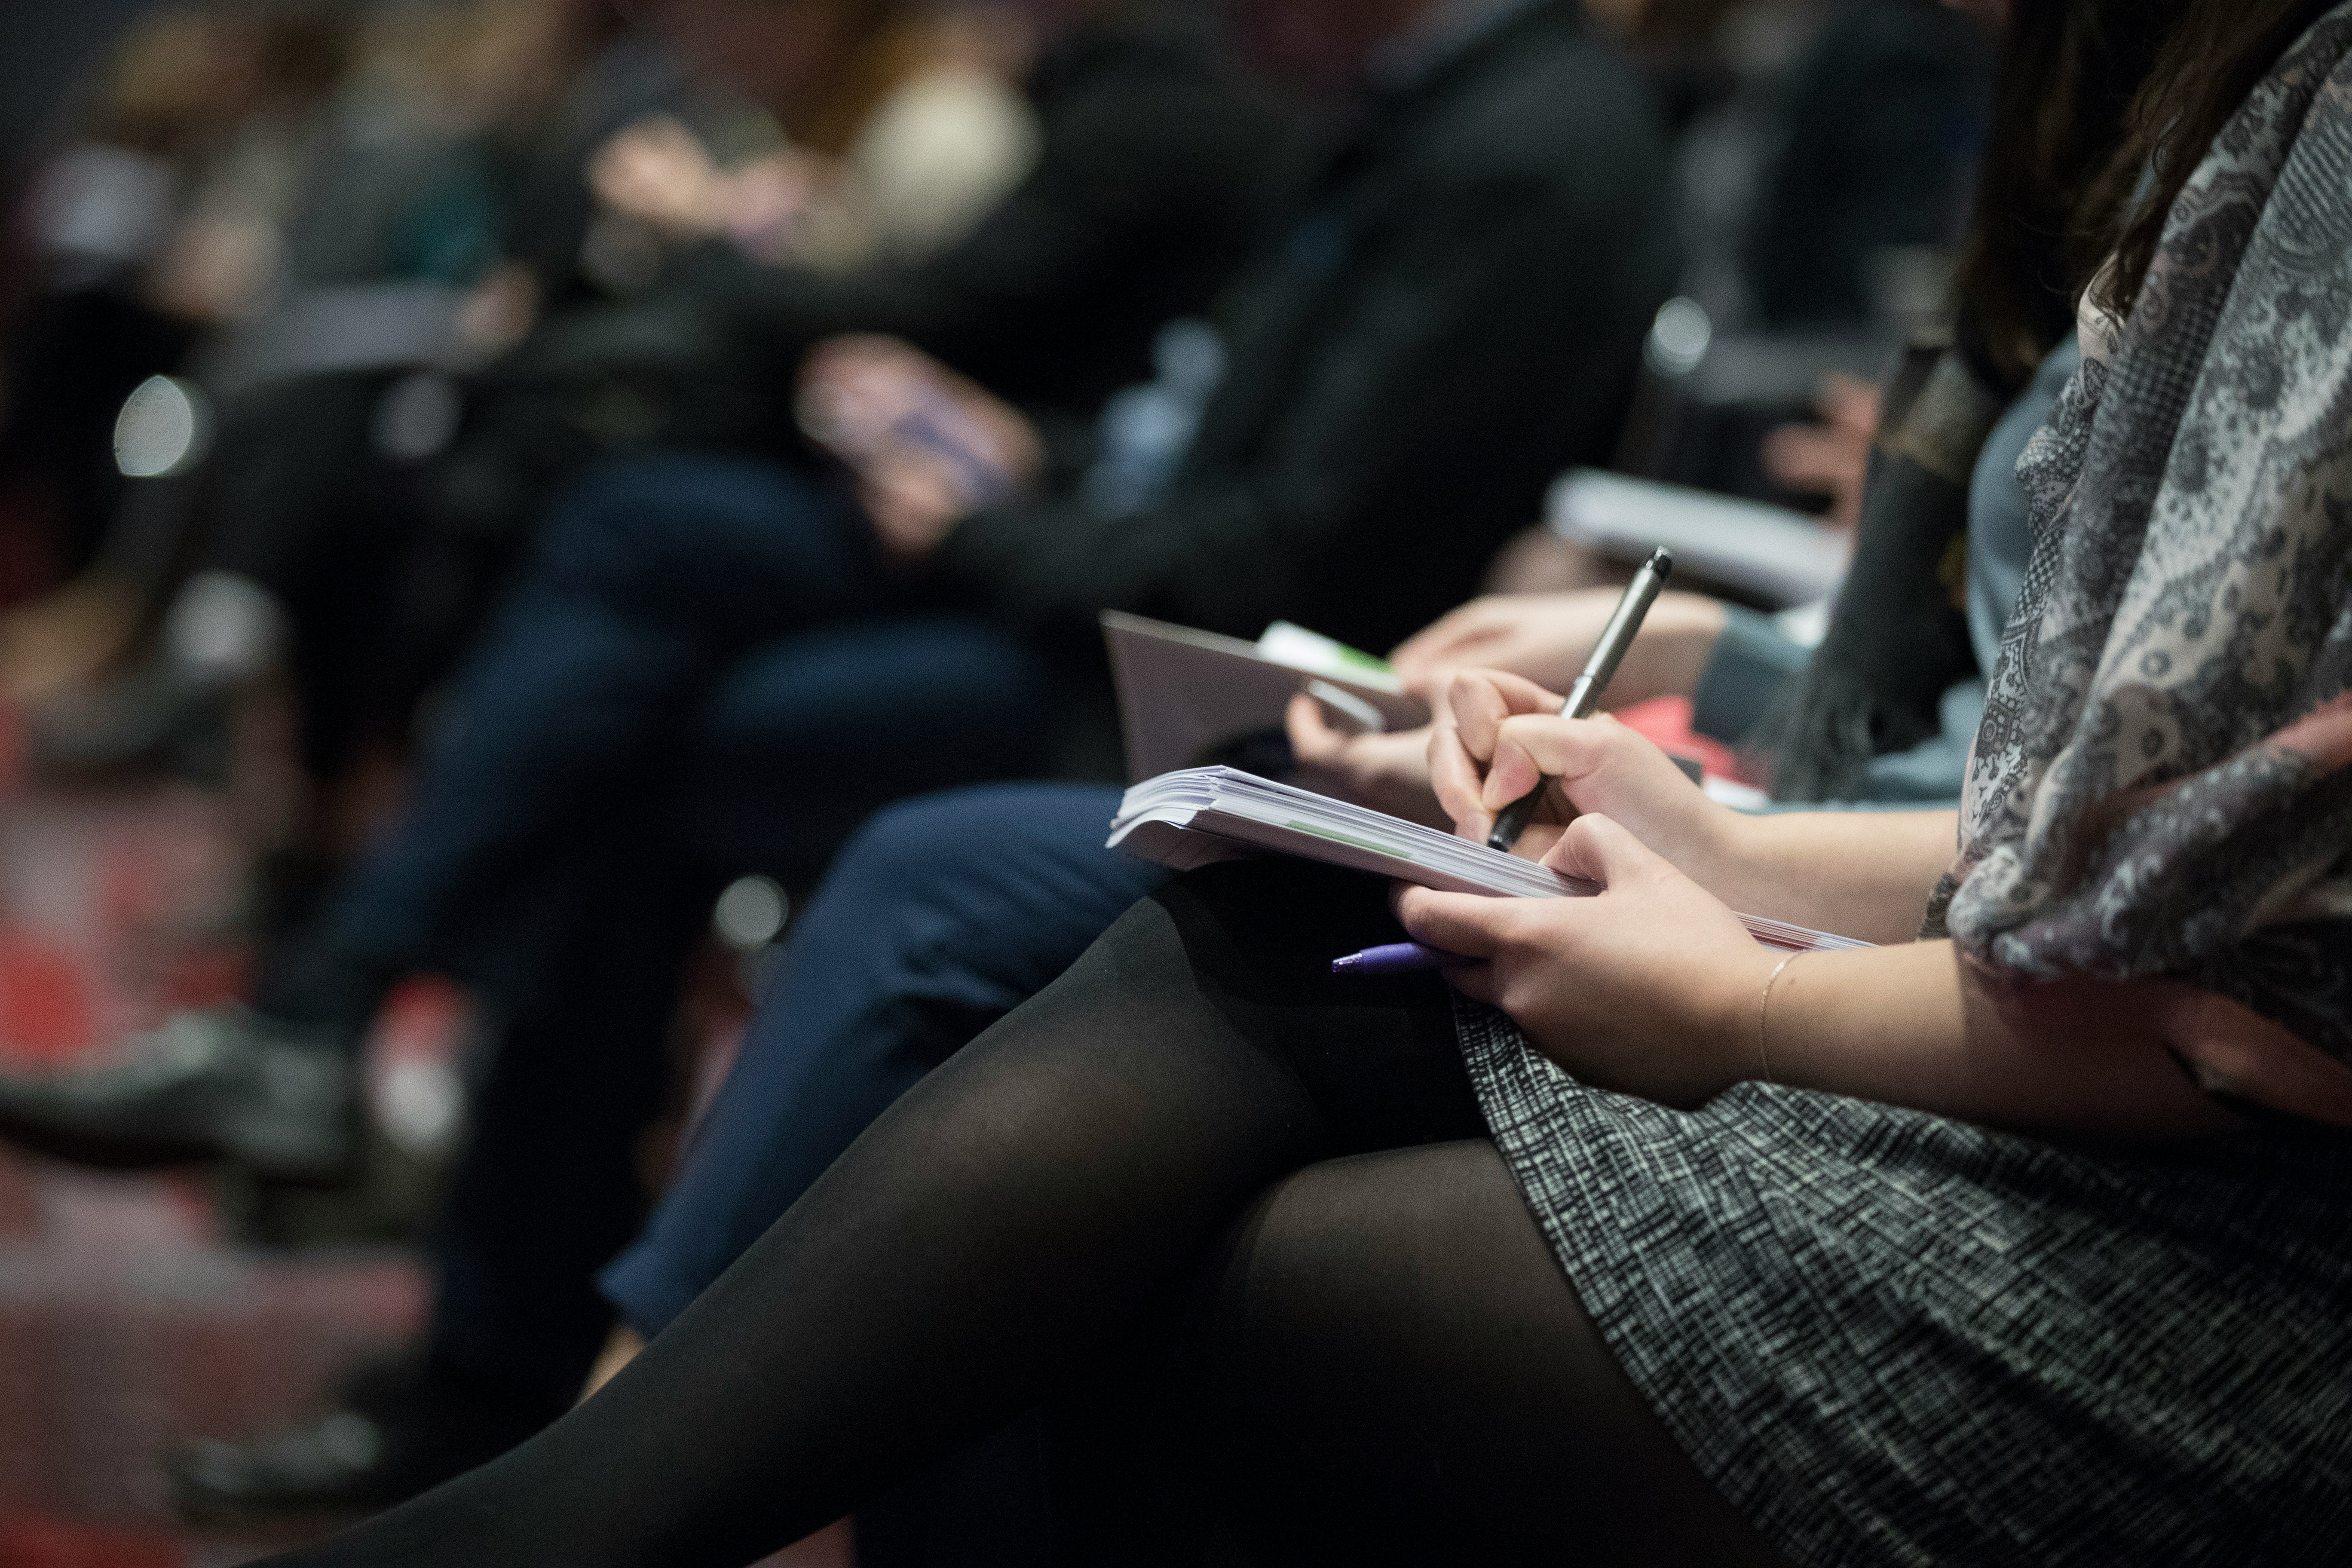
[(2163, 782)]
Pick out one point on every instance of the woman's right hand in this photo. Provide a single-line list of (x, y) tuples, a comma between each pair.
[(1502, 733)]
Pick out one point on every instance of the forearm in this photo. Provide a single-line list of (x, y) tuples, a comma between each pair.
[(1861, 874), (1666, 659), (1913, 1025)]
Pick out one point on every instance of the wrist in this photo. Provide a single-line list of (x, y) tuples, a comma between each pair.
[(1738, 1024), (1667, 659), (1718, 852)]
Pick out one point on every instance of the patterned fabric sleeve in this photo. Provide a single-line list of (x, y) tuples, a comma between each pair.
[(2163, 783)]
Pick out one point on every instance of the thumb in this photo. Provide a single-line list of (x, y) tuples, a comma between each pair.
[(1599, 850)]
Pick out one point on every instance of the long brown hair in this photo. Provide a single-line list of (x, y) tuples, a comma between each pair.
[(2215, 56), (2070, 72), (2103, 110)]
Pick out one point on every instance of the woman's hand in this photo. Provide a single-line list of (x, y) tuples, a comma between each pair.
[(1502, 734), (1651, 988), (1385, 772)]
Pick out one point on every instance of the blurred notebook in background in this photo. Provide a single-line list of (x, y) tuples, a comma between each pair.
[(1779, 557), (1199, 817), (1185, 696)]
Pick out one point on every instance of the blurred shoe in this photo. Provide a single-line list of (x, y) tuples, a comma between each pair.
[(226, 1084), (401, 1429), (159, 718)]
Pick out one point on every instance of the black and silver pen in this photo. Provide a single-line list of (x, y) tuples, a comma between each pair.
[(1585, 695)]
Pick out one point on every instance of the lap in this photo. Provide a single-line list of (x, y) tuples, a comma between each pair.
[(938, 916), (744, 547), (1412, 1378), (804, 736)]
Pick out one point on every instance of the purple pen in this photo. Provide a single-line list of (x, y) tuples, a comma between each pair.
[(1396, 958)]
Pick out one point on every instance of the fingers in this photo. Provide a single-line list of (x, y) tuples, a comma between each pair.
[(1313, 740), (1459, 782), (1441, 640), (1470, 924), (1480, 703), (1481, 700), (1599, 850), (1532, 748)]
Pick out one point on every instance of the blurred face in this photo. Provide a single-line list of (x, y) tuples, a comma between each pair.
[(1325, 42)]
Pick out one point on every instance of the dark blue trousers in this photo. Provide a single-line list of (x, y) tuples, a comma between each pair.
[(683, 611), (702, 672), (940, 917)]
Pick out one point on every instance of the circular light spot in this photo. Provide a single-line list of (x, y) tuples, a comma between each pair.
[(161, 429), (751, 913), (1679, 338)]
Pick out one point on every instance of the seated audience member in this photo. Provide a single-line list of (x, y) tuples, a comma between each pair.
[(153, 222), (942, 914), (353, 520), (392, 261), (1643, 1242), (1407, 368), (913, 134)]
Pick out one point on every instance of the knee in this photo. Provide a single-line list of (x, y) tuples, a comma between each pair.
[(1360, 1264), (942, 839), (627, 526), (991, 846)]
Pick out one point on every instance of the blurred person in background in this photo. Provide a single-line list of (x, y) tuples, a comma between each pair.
[(156, 220), (2146, 1141), (430, 229), (384, 256), (363, 518), (1403, 370), (1825, 152)]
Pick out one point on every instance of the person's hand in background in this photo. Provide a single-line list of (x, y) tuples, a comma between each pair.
[(659, 173), (929, 446), (1547, 637), (656, 171), (1830, 458), (1388, 773)]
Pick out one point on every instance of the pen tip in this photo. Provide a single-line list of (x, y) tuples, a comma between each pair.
[(1661, 561)]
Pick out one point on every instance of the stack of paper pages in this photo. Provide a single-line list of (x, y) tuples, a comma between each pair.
[(1201, 815)]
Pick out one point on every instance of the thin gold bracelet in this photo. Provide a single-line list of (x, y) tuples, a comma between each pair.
[(1764, 1012)]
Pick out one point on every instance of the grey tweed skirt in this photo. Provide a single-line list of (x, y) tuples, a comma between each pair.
[(1890, 1338)]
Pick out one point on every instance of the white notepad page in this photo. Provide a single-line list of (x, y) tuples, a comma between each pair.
[(1199, 815)]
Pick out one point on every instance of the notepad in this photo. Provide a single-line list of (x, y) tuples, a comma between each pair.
[(1198, 816), (1184, 694)]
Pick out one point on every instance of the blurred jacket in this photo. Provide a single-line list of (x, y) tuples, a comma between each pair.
[(1880, 127), (1454, 314), (1157, 171)]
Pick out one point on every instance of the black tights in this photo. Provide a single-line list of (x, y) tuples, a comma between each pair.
[(1195, 1178)]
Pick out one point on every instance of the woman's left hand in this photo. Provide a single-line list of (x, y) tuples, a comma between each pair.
[(1649, 988)]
